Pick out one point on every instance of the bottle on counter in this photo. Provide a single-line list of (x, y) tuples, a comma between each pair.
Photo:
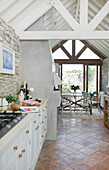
[(27, 91), (21, 96), (24, 89)]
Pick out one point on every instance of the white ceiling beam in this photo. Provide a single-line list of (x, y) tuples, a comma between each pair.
[(83, 13), (15, 9), (5, 5), (99, 16), (27, 17), (62, 35), (65, 14), (77, 9)]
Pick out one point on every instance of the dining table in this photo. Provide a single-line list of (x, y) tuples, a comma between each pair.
[(76, 100)]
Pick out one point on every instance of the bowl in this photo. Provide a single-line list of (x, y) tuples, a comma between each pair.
[(15, 106)]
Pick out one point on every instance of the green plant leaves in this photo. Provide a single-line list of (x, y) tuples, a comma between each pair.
[(11, 98)]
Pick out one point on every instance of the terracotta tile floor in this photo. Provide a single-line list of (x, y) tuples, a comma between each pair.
[(81, 144)]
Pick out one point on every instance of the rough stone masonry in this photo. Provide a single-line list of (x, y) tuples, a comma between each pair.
[(9, 84)]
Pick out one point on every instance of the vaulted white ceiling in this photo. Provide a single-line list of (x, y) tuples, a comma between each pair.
[(63, 19)]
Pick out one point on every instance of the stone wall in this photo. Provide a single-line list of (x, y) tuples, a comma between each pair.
[(9, 84), (105, 72)]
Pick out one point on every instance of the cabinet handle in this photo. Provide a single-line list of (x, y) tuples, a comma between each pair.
[(20, 155), (34, 121), (15, 147), (45, 106), (42, 121), (23, 150), (27, 131), (43, 110), (37, 127), (45, 116), (39, 114)]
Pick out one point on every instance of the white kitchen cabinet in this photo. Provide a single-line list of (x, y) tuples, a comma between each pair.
[(24, 156), (35, 139), (22, 151), (13, 165)]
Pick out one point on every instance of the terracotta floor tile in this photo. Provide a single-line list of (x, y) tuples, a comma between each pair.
[(58, 156), (81, 145), (105, 163), (85, 143), (77, 146), (79, 166), (68, 150), (59, 146), (42, 166), (94, 147), (69, 142), (98, 167), (68, 160), (68, 168), (78, 155), (99, 156), (59, 165), (89, 161), (76, 139), (105, 150), (87, 151), (45, 158)]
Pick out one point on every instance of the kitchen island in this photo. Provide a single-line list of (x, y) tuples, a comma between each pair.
[(21, 146)]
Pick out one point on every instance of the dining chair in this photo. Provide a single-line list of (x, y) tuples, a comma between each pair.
[(66, 103), (97, 101)]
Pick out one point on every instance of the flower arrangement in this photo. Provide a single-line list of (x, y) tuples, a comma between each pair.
[(73, 87)]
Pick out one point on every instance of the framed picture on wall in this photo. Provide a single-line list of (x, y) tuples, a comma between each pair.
[(7, 60)]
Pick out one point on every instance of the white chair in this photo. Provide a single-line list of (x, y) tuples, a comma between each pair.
[(98, 101), (86, 103), (66, 103)]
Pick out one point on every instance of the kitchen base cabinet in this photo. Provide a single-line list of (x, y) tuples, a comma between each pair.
[(22, 151), (13, 165), (24, 156)]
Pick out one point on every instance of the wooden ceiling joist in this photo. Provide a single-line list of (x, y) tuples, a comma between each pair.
[(79, 61), (73, 57), (93, 49), (65, 51), (80, 52)]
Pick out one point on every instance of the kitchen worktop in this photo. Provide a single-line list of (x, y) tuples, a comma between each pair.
[(6, 139)]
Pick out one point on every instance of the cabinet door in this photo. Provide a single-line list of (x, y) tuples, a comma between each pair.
[(13, 165), (24, 156), (35, 145)]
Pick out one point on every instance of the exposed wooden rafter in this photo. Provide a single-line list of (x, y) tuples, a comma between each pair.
[(73, 48), (65, 51), (80, 61), (80, 52), (93, 49), (86, 45)]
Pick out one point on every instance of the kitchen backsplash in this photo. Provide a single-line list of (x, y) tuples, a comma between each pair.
[(9, 84)]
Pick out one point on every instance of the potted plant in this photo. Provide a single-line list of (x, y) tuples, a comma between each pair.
[(11, 98), (73, 87)]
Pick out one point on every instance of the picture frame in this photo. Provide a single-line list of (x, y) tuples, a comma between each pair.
[(7, 60)]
